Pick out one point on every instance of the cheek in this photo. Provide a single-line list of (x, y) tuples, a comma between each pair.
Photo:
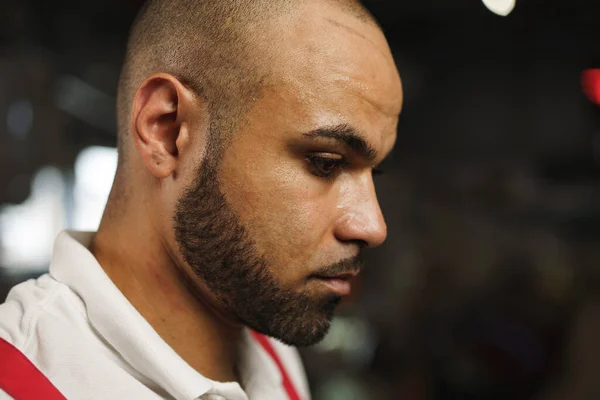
[(283, 210)]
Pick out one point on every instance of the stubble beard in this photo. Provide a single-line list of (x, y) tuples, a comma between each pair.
[(221, 252)]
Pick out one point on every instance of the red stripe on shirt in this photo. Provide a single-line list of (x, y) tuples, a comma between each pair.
[(287, 383), (20, 379)]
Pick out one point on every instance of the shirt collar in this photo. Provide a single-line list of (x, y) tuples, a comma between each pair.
[(113, 316), (258, 370)]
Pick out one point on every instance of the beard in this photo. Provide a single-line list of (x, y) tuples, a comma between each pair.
[(221, 252)]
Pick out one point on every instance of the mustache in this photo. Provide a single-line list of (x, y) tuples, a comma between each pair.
[(352, 265)]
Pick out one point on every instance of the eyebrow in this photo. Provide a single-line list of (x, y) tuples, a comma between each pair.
[(349, 137)]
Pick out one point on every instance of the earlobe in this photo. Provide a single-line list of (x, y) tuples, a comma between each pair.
[(157, 123)]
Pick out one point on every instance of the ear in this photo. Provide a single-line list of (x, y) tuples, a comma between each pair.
[(163, 115)]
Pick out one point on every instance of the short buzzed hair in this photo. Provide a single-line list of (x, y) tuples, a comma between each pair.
[(210, 46)]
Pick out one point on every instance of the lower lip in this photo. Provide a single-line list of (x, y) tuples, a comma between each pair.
[(341, 286)]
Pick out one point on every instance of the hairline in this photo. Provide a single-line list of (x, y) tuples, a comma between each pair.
[(223, 121)]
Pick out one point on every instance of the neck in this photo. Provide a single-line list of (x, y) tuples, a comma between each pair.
[(130, 251)]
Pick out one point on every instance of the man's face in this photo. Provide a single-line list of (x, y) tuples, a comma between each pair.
[(273, 229)]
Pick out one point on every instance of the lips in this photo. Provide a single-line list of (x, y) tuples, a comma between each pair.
[(339, 283), (343, 275), (340, 286), (337, 277)]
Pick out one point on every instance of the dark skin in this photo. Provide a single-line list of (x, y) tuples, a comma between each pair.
[(297, 176)]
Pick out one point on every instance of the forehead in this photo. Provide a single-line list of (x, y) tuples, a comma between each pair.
[(331, 68)]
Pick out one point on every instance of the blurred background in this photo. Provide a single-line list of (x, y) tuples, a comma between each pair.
[(488, 286)]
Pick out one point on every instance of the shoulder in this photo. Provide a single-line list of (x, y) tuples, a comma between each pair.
[(21, 313), (47, 322), (41, 318), (24, 306)]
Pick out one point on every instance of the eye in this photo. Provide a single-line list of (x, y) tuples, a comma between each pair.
[(325, 166)]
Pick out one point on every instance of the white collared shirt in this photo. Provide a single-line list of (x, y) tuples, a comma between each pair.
[(81, 332)]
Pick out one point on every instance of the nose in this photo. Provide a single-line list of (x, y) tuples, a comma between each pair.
[(361, 219)]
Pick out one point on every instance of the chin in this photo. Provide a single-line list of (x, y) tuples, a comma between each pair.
[(303, 329), (307, 335)]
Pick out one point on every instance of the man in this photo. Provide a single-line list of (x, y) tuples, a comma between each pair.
[(248, 135)]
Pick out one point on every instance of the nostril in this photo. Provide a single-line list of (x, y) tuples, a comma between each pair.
[(361, 244)]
